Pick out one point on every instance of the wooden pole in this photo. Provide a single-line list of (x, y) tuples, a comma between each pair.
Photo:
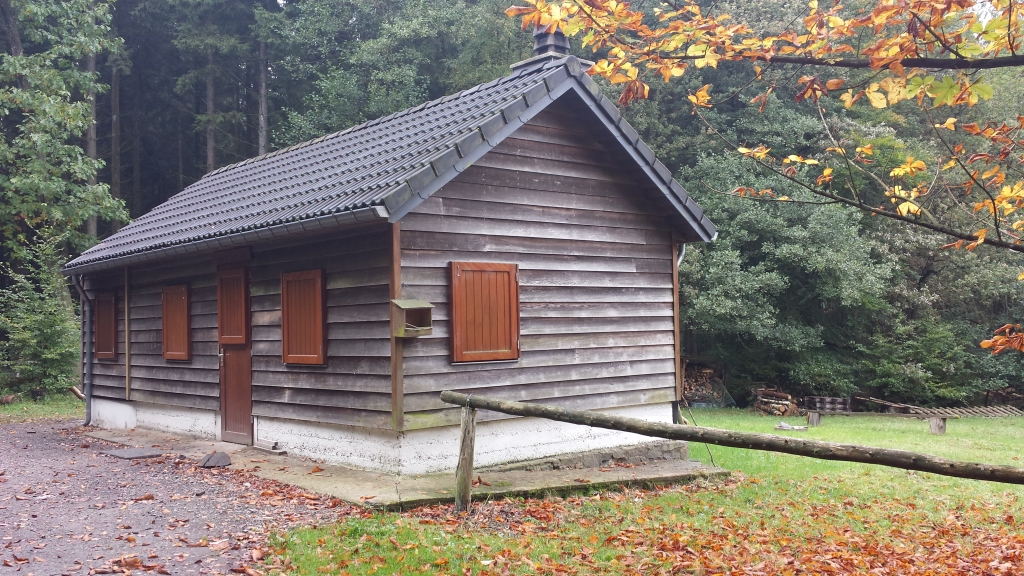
[(464, 471), (814, 418), (937, 425), (769, 442)]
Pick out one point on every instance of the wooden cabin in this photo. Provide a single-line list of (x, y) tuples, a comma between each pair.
[(514, 240)]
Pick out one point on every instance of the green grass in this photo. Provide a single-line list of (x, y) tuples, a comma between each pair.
[(54, 406), (786, 514), (989, 440)]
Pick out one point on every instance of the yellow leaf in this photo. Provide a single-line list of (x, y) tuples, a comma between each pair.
[(948, 124), (701, 98), (949, 165), (908, 208), (1020, 276), (835, 84), (866, 150), (849, 99), (876, 98), (743, 150)]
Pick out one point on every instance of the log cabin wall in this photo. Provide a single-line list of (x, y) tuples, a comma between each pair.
[(354, 387), (108, 374), (595, 260), (191, 383)]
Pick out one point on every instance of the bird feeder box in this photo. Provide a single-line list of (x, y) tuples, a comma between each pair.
[(413, 318)]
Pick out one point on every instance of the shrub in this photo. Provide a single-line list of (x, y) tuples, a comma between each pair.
[(39, 335)]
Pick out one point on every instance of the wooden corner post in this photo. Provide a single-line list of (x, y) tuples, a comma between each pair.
[(679, 366), (464, 471), (397, 348), (127, 334)]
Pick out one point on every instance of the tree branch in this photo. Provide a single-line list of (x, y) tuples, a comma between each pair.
[(864, 63)]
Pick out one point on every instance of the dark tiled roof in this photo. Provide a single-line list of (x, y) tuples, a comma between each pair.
[(375, 170)]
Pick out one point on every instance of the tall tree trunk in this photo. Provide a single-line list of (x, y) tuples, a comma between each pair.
[(211, 157), (10, 24), (136, 153), (90, 136), (263, 135), (115, 138), (181, 158)]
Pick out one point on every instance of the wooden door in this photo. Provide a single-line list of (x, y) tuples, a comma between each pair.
[(235, 355)]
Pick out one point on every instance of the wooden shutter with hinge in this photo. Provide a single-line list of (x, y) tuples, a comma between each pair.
[(484, 311), (177, 324), (105, 326), (302, 318), (232, 306)]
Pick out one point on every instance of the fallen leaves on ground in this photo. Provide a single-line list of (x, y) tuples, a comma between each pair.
[(740, 526)]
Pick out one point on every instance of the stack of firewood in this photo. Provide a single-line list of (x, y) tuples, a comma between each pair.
[(702, 385), (774, 403), (1004, 396)]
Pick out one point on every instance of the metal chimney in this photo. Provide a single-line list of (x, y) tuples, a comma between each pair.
[(549, 42)]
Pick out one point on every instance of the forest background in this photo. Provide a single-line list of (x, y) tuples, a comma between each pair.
[(811, 297)]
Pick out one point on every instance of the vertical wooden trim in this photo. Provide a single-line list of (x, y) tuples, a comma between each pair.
[(675, 322), (397, 349), (127, 335)]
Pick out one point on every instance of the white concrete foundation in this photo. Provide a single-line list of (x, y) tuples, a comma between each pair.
[(437, 449), (412, 452), (114, 414)]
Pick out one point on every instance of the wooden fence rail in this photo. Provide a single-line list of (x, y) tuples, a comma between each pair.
[(769, 442)]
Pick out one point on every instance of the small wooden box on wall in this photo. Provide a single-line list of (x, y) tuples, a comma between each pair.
[(413, 318)]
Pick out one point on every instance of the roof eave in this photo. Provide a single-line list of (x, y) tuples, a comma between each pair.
[(245, 237)]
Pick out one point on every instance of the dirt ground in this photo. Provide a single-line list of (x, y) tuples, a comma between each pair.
[(66, 508)]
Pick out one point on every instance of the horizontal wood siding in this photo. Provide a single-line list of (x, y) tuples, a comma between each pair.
[(354, 385), (595, 260), (108, 374), (193, 383)]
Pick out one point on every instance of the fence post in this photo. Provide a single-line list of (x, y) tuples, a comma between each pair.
[(937, 425), (464, 471), (814, 418)]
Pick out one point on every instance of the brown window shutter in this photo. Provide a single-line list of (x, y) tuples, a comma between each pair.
[(177, 323), (232, 306), (302, 317), (484, 311), (105, 326)]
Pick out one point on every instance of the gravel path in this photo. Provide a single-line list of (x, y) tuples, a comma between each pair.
[(65, 508)]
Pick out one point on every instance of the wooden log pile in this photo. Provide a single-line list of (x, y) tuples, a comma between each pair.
[(1004, 396), (702, 384), (774, 403)]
